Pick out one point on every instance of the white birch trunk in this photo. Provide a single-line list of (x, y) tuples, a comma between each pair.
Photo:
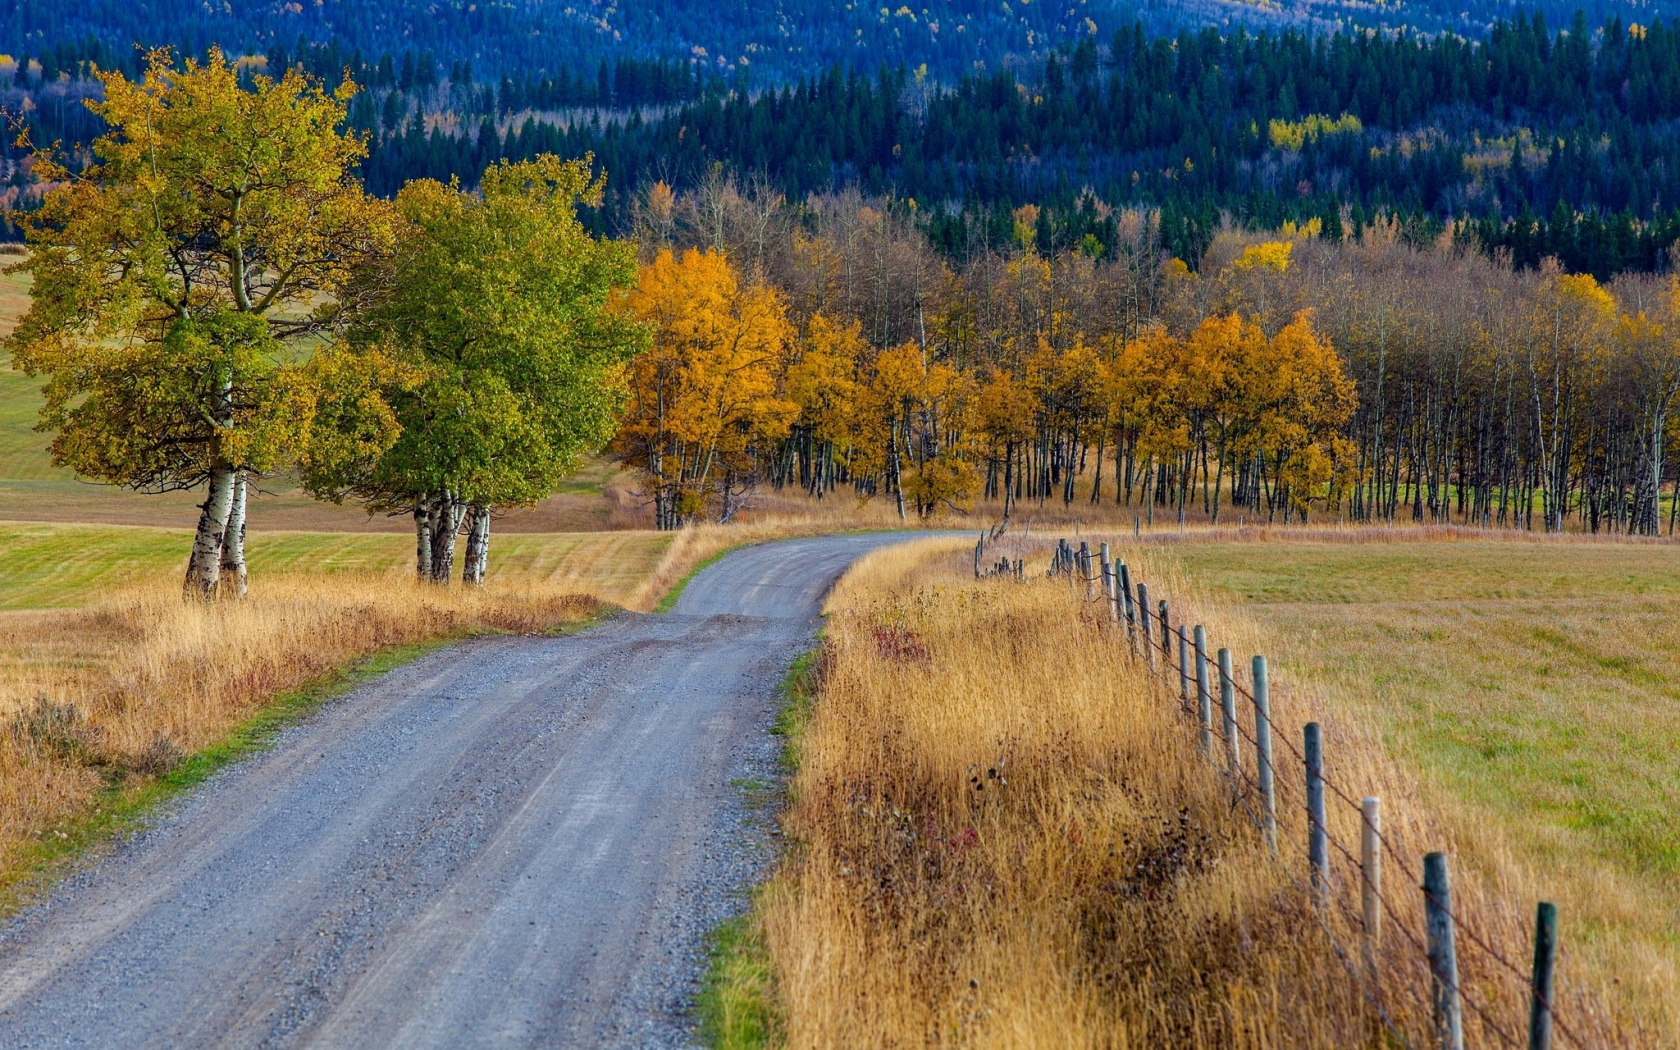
[(233, 575), (446, 522), (478, 546), (204, 568), (423, 538)]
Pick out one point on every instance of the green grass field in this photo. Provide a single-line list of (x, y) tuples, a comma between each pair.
[(1536, 684), (61, 566)]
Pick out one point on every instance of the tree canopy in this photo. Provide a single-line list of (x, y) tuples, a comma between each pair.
[(180, 279), (498, 300)]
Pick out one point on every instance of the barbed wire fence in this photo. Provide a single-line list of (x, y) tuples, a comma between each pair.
[(1427, 971)]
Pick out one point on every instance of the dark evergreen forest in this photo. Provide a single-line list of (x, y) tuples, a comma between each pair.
[(778, 41), (1535, 141)]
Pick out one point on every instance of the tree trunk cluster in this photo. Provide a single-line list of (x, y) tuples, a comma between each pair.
[(438, 520), (217, 566)]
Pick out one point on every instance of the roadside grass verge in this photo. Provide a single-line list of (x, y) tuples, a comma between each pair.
[(106, 709), (1001, 833), (125, 802), (738, 1008), (1535, 689), (737, 1002), (669, 600)]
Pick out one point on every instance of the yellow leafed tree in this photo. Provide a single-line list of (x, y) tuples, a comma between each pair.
[(706, 395)]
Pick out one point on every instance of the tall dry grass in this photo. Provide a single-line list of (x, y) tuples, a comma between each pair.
[(1005, 835), (121, 691)]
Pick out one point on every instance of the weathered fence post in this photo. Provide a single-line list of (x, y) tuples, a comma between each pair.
[(1545, 959), (1228, 704), (1126, 611), (1086, 573), (1143, 618), (1102, 568), (1263, 750), (1166, 629), (1443, 956), (1204, 694), (1183, 637), (1370, 880), (1318, 846), (978, 547)]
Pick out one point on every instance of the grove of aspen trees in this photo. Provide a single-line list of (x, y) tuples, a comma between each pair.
[(825, 345)]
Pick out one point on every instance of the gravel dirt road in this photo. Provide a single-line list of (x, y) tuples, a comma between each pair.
[(512, 842)]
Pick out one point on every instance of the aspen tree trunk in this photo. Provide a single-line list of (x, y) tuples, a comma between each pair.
[(423, 538), (1219, 480), (1069, 468), (233, 575), (446, 523), (897, 475), (204, 569), (478, 546), (1648, 489), (1008, 478), (1096, 480)]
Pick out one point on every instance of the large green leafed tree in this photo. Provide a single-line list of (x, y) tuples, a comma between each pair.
[(500, 299), (184, 282)]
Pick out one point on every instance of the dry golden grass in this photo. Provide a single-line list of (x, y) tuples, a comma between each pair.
[(1004, 836)]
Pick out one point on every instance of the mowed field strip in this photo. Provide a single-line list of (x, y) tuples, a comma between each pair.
[(63, 566), (1535, 686)]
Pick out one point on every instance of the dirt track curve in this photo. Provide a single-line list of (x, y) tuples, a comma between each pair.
[(512, 842)]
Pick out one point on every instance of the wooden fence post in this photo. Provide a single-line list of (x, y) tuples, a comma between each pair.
[(1545, 958), (1143, 618), (978, 547), (1228, 704), (1166, 629), (1106, 568), (1204, 696), (1318, 845), (1086, 573), (1443, 956), (1126, 610), (1370, 880), (1263, 750), (1183, 666)]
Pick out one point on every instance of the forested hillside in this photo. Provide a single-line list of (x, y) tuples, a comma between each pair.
[(781, 40), (1531, 141), (534, 37)]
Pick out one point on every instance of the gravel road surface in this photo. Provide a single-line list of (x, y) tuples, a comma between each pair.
[(512, 842)]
